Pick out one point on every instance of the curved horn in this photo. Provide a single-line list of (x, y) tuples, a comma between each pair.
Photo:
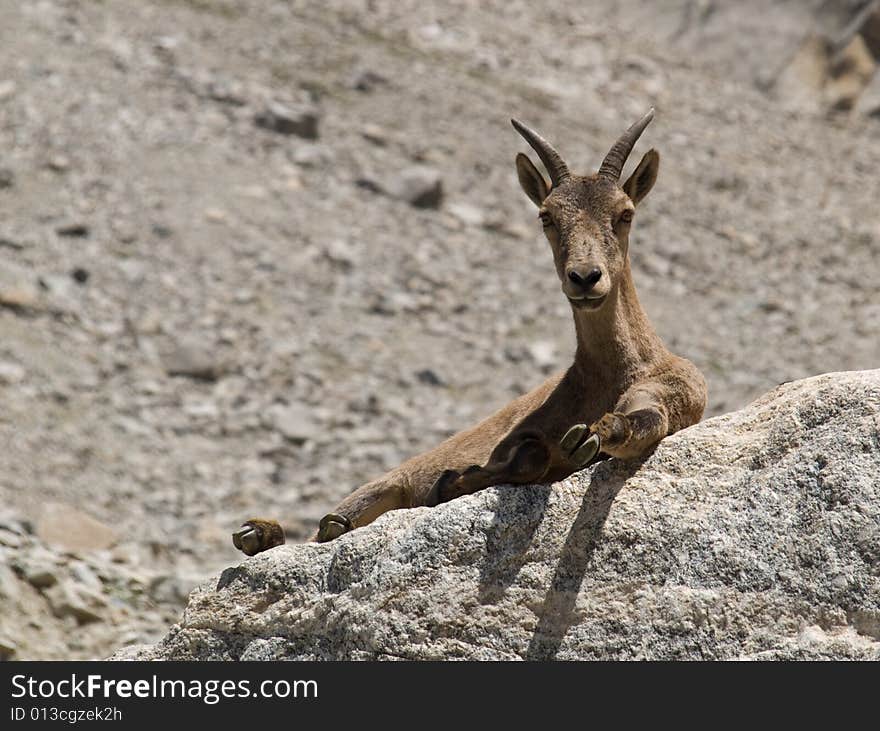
[(552, 161), (614, 161)]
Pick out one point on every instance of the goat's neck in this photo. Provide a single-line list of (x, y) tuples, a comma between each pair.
[(616, 341)]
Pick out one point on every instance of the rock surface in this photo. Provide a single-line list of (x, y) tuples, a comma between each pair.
[(754, 535), (63, 594), (233, 268), (65, 527)]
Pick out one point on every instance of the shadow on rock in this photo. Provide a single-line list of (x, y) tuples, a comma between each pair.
[(557, 613), (513, 500)]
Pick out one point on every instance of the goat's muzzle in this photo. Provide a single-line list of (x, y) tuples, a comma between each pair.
[(585, 286)]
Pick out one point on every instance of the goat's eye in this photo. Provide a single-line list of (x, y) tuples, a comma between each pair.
[(546, 219), (626, 216)]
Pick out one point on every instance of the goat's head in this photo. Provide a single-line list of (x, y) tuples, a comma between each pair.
[(587, 219)]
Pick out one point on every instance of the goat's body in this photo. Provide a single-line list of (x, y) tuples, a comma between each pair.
[(619, 376), (623, 394)]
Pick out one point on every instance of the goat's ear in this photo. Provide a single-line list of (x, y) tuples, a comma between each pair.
[(642, 180), (531, 180)]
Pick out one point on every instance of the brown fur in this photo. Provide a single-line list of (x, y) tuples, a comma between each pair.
[(624, 383)]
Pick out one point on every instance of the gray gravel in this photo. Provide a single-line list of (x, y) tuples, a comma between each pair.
[(130, 151)]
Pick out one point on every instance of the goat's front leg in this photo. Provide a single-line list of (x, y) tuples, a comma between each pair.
[(518, 460), (638, 422), (257, 535), (579, 446), (627, 435), (363, 506)]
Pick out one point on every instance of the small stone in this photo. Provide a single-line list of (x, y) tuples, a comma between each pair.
[(165, 43), (8, 647), (7, 178), (170, 589), (258, 192), (429, 377), (312, 155), (11, 373), (869, 101), (226, 92), (13, 244), (10, 539), (58, 163), (508, 228), (294, 422), (194, 359), (20, 297), (299, 120), (65, 527), (375, 134), (85, 574), (851, 71), (41, 576), (468, 214), (10, 587), (516, 353), (15, 524), (59, 292), (80, 275), (73, 229), (370, 184), (201, 410), (338, 251), (7, 89), (543, 352), (162, 231), (420, 186), (727, 181), (151, 323), (216, 215), (366, 80), (68, 599), (244, 296)]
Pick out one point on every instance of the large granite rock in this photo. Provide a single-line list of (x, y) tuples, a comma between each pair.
[(754, 535)]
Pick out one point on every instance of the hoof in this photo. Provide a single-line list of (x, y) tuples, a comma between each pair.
[(572, 438), (585, 453), (332, 526), (578, 449), (257, 535)]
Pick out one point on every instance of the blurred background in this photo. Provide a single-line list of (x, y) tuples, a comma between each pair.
[(255, 254)]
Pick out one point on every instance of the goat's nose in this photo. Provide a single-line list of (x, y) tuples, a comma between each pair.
[(585, 280)]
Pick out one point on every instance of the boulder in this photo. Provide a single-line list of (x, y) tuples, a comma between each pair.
[(64, 527), (70, 599), (869, 101), (753, 535)]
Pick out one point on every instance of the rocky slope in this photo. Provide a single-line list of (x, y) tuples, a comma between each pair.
[(754, 535), (253, 254), (68, 587)]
